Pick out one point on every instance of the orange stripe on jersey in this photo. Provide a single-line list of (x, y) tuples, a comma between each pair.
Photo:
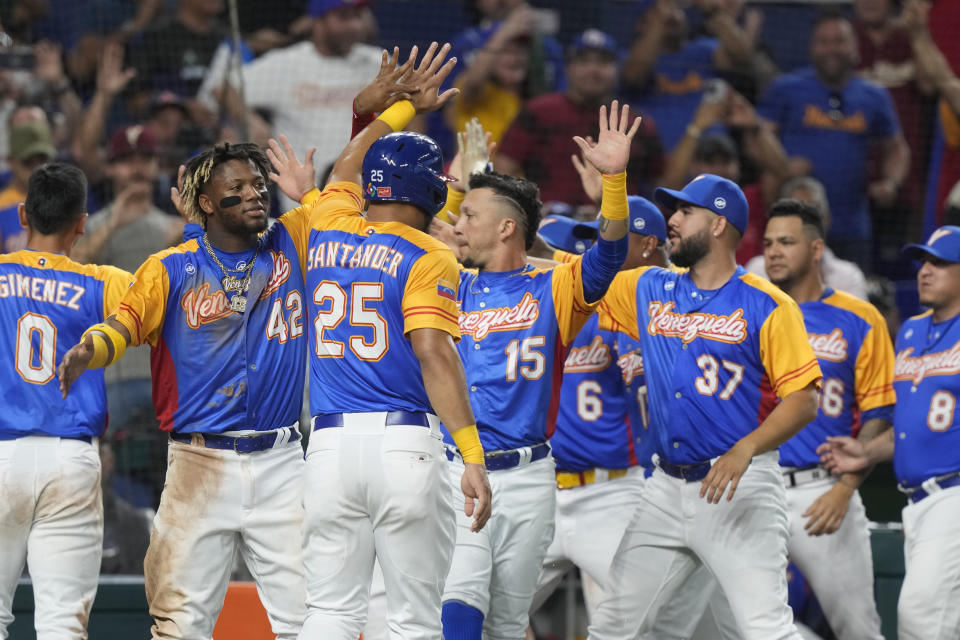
[(879, 391), (135, 317), (437, 313), (411, 311), (796, 373)]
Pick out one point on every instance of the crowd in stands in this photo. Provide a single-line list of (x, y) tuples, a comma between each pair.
[(869, 130)]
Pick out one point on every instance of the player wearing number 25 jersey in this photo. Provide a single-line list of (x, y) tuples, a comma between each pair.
[(49, 463)]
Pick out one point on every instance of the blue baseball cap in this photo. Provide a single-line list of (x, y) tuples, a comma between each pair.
[(717, 194), (645, 219), (594, 39), (567, 234), (944, 243), (318, 8)]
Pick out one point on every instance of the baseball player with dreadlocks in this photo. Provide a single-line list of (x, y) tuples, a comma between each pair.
[(224, 316)]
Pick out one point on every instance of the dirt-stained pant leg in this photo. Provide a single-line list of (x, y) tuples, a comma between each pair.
[(188, 562), (51, 511)]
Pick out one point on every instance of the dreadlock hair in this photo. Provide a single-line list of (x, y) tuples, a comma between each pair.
[(200, 168)]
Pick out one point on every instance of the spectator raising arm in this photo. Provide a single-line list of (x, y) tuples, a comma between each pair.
[(931, 63), (112, 78)]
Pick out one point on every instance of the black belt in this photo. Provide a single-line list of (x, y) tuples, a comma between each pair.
[(916, 494), (796, 477), (688, 472), (500, 460), (239, 444), (393, 418)]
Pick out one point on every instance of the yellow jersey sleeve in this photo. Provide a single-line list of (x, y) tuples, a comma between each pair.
[(143, 306), (569, 304), (873, 374), (337, 198), (115, 284), (297, 223), (563, 256), (619, 304), (785, 351), (430, 294)]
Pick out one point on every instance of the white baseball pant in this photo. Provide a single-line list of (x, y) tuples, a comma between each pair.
[(376, 491), (589, 522), (929, 607), (838, 566), (216, 503), (743, 543), (495, 570), (51, 516)]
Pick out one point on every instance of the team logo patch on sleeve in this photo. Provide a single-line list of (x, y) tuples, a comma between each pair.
[(446, 290)]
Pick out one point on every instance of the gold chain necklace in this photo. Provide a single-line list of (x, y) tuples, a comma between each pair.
[(239, 285)]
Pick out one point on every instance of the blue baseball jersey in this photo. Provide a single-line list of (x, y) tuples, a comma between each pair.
[(852, 345), (630, 362), (47, 301), (833, 130), (712, 355), (927, 384), (594, 427), (516, 327), (215, 369), (370, 284)]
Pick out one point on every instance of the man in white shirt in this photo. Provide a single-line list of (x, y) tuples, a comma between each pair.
[(308, 88), (839, 274)]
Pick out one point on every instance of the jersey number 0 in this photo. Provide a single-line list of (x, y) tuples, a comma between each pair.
[(34, 361)]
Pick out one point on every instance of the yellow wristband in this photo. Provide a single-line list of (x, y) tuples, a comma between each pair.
[(613, 203), (468, 442), (100, 351), (398, 115), (452, 205), (116, 339)]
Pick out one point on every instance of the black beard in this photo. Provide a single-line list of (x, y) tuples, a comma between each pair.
[(691, 250), (468, 263)]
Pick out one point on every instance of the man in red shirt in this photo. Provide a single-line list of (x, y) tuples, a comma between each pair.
[(539, 143)]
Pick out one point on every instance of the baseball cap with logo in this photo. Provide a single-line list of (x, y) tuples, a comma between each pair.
[(31, 139), (645, 219), (594, 40), (567, 234), (944, 243), (318, 8), (717, 194), (130, 140)]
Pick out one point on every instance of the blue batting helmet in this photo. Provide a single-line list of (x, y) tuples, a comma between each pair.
[(405, 167)]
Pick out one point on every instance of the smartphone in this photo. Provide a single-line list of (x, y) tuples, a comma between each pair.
[(715, 90), (17, 58)]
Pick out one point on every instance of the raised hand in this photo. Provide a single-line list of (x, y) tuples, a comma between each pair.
[(389, 86), (473, 154), (176, 194), (294, 178), (611, 152), (112, 78), (590, 178), (428, 76)]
